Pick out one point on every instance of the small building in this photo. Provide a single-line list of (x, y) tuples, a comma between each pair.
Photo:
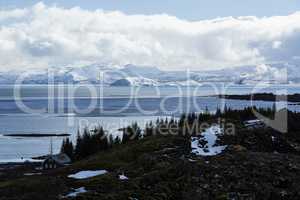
[(255, 123), (55, 161)]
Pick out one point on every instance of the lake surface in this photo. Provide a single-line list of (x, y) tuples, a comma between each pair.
[(66, 109)]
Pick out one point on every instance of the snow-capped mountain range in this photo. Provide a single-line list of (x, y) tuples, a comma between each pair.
[(132, 75)]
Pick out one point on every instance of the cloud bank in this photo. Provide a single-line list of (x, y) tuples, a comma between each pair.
[(42, 36)]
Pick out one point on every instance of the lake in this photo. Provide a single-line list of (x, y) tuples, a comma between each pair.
[(41, 109)]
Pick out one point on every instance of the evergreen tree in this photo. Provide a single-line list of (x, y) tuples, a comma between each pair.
[(117, 141), (132, 132), (67, 148), (78, 147)]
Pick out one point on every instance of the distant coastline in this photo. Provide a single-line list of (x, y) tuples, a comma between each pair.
[(295, 98), (37, 135)]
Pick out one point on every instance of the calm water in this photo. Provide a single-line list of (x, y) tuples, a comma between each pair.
[(62, 109)]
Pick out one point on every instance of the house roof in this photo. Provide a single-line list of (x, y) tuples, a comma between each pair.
[(61, 158)]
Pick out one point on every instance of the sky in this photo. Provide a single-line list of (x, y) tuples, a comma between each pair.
[(172, 35), (184, 9)]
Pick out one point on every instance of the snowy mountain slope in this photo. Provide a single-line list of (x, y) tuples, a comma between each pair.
[(132, 75), (135, 81), (144, 71)]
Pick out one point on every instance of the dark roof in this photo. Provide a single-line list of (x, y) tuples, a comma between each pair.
[(60, 158)]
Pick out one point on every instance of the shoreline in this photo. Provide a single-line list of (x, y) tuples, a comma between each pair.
[(270, 97), (37, 135), (12, 165)]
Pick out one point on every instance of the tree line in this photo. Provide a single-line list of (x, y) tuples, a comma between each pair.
[(90, 142)]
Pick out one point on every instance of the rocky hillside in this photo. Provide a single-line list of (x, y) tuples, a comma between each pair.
[(163, 167)]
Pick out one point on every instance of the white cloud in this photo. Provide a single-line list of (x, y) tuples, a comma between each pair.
[(12, 14), (267, 72), (276, 44), (43, 36)]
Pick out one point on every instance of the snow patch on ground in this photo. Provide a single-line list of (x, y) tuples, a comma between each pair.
[(77, 192), (123, 177), (87, 174), (209, 137), (273, 138), (32, 174)]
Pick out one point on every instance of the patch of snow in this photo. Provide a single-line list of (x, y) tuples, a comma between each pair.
[(76, 192), (210, 136), (273, 138), (253, 121), (32, 174), (123, 177), (131, 198), (38, 168), (135, 81), (87, 174)]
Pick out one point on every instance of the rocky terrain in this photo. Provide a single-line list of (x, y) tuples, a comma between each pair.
[(163, 167)]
